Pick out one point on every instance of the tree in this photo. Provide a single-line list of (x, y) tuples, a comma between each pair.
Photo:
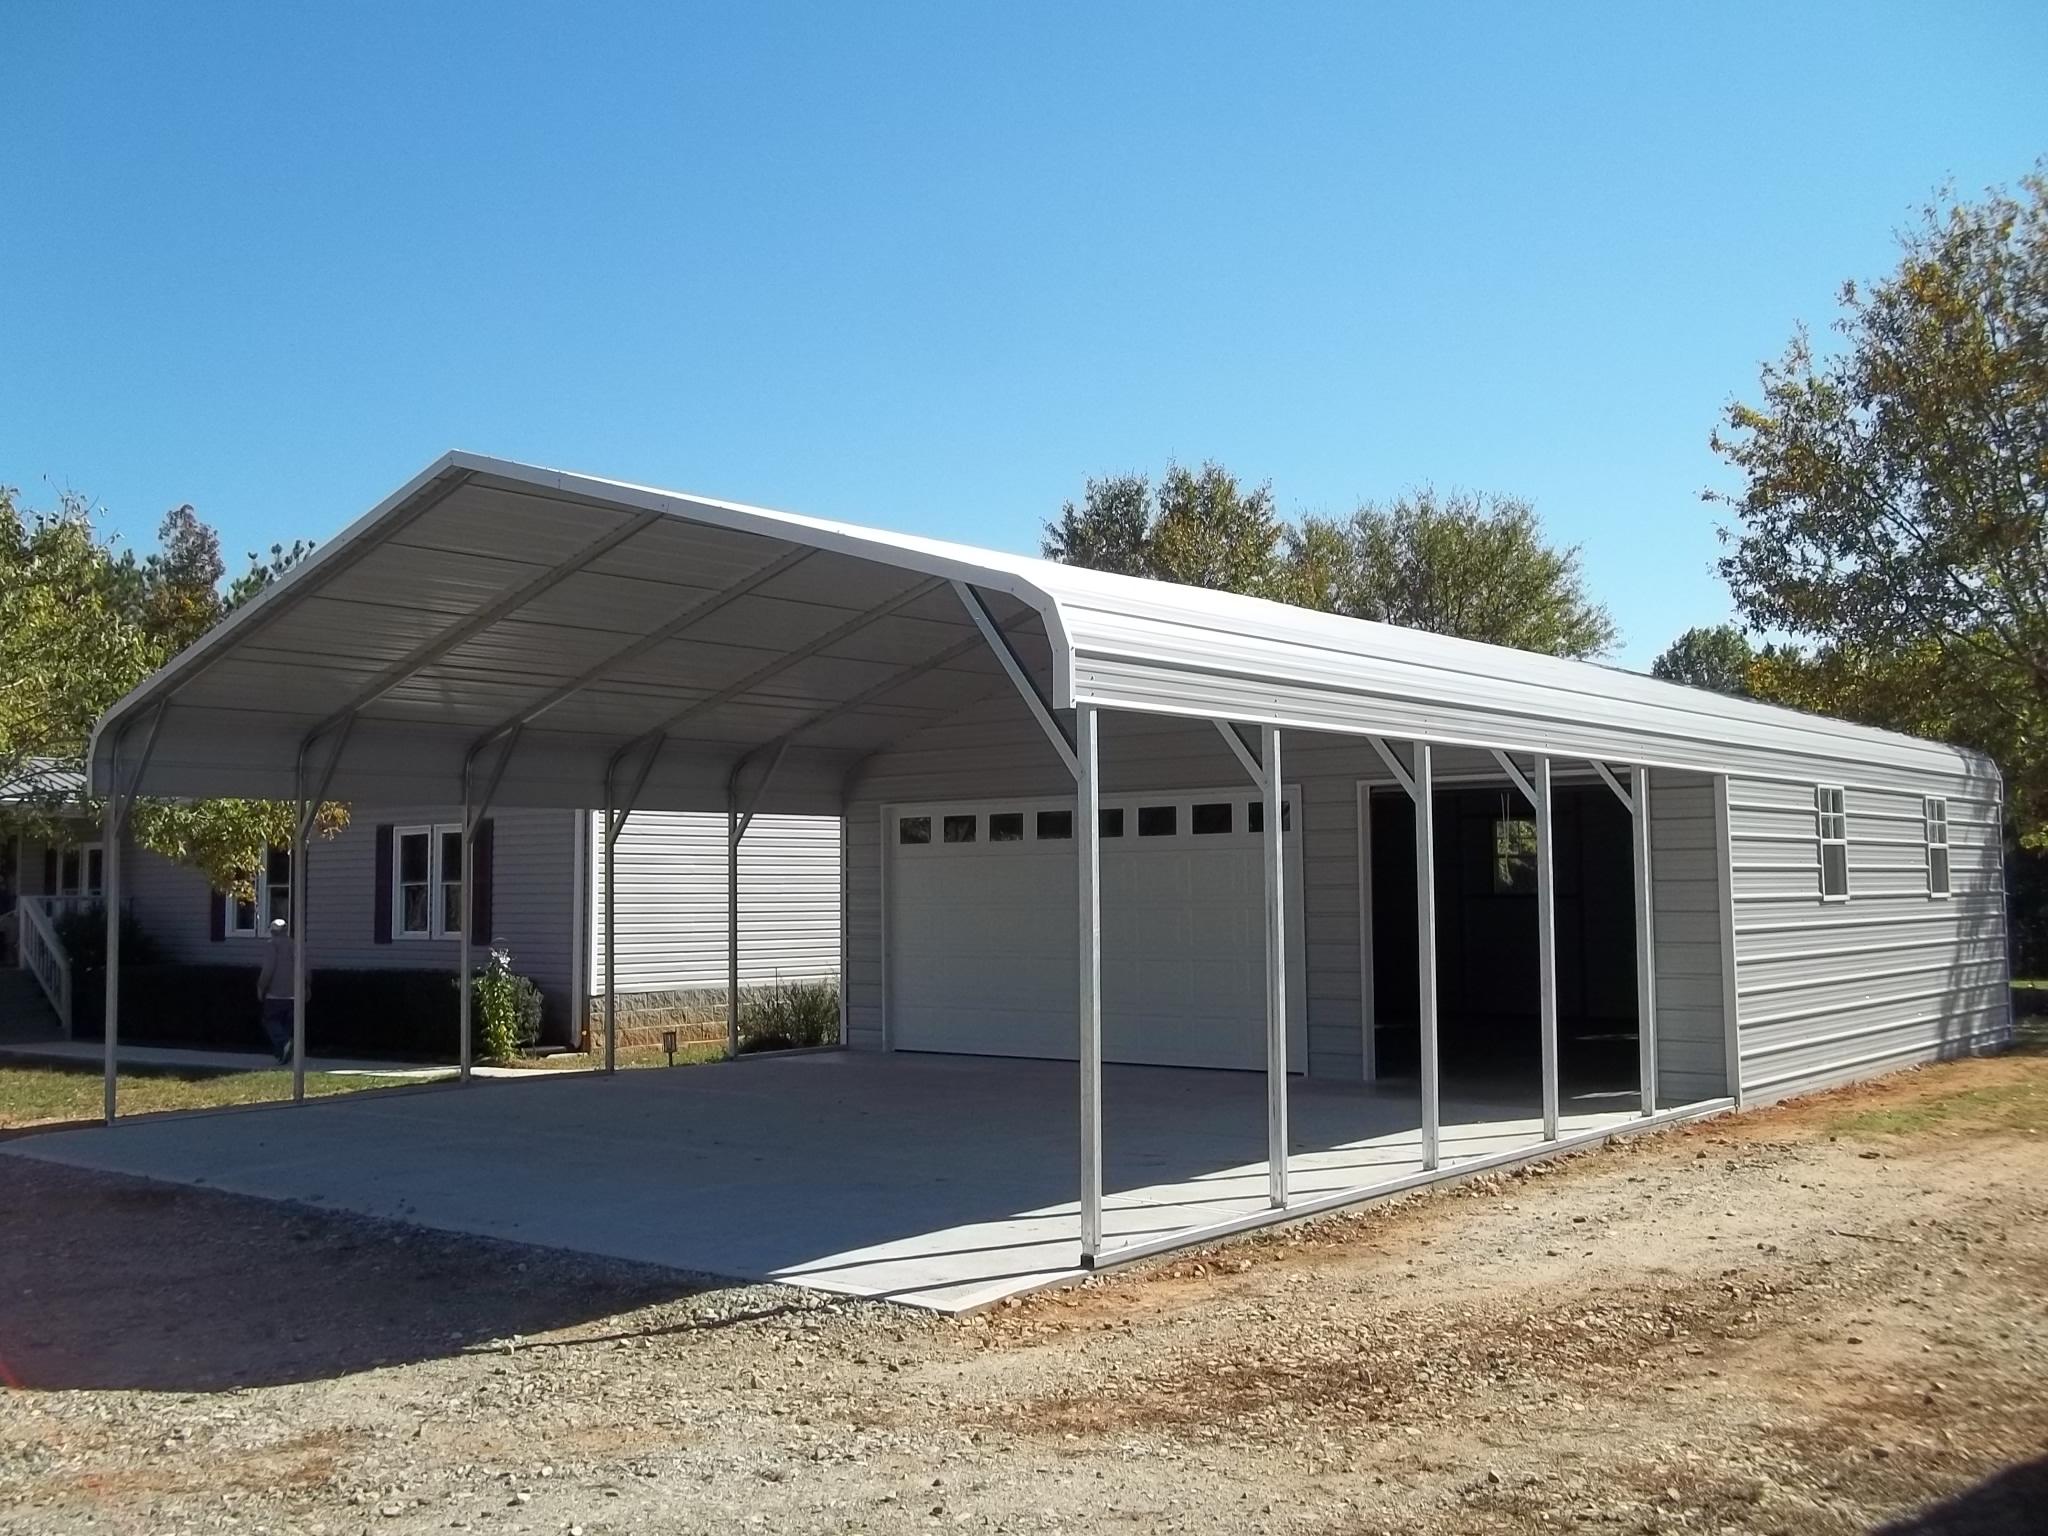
[(1718, 658), (80, 626), (1461, 564), (1893, 514), (71, 642), (266, 573), (1201, 529)]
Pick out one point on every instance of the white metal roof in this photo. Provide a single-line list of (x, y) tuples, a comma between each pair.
[(592, 613)]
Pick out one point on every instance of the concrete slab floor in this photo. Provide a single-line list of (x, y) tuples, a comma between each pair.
[(945, 1182)]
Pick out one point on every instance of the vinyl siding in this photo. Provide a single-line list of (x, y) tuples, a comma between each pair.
[(671, 911), (533, 892), (1685, 926), (1832, 990)]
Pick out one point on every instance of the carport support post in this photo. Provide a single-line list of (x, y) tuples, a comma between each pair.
[(465, 984), (110, 881), (1276, 973), (1088, 849), (732, 925), (302, 812), (1546, 941), (611, 1000), (1646, 942), (1425, 927)]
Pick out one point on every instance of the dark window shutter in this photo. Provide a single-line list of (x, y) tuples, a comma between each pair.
[(480, 858), (216, 915), (381, 897)]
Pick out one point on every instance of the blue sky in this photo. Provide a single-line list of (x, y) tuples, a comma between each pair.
[(931, 267)]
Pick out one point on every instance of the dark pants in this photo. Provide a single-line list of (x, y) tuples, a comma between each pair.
[(277, 1023)]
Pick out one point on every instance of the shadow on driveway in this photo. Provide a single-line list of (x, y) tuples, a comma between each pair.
[(119, 1283)]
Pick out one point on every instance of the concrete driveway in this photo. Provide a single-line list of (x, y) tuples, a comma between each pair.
[(942, 1181)]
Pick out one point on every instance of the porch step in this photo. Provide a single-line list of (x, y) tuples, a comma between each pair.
[(25, 1014)]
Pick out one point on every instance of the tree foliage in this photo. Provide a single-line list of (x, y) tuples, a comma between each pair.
[(1200, 528), (81, 624), (71, 641), (1718, 658), (1893, 516), (1461, 564)]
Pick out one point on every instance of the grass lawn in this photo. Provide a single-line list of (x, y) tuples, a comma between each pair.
[(37, 1093)]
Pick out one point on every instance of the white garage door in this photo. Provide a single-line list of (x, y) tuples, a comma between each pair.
[(982, 939)]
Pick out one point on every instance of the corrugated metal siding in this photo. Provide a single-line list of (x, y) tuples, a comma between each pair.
[(1850, 1019), (671, 910), (1686, 926), (1831, 990), (533, 891)]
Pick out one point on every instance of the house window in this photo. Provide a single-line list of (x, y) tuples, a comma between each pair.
[(1832, 819), (426, 883), (1936, 811), (1514, 855), (449, 880), (249, 917), (81, 871)]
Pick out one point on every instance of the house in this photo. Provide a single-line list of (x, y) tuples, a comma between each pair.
[(386, 891), (1094, 819)]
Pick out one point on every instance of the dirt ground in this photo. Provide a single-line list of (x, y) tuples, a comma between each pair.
[(1814, 1318)]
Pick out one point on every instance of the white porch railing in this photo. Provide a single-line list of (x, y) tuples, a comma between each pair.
[(43, 957)]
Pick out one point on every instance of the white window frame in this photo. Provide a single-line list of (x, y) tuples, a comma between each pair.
[(1831, 826), (83, 886), (230, 904), (437, 878), (1934, 829)]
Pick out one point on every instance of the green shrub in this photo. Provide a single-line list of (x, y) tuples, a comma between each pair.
[(789, 1016), (83, 933), (372, 1013), (507, 1006)]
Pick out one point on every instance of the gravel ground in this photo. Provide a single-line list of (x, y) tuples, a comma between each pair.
[(1815, 1318)]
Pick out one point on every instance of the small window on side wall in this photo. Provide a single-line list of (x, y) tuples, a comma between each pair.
[(1937, 846), (1832, 822), (1055, 826), (913, 829)]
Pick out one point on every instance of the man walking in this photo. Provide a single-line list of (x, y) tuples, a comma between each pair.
[(274, 990)]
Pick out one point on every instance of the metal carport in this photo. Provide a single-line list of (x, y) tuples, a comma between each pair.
[(523, 636)]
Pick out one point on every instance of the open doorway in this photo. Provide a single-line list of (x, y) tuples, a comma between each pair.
[(1489, 1022)]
